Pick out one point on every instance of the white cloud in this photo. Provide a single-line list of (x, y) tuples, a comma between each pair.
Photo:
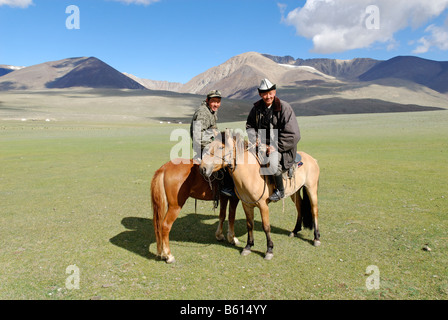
[(341, 25), (16, 3), (144, 2), (438, 38)]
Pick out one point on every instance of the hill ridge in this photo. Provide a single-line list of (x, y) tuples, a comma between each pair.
[(430, 73), (88, 72)]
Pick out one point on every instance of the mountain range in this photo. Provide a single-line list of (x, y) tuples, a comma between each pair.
[(312, 86), (5, 69), (87, 72), (329, 86), (432, 74), (239, 76)]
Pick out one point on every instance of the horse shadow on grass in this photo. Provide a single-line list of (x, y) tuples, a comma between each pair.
[(191, 229)]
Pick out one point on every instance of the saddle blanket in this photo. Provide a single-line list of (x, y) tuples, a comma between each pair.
[(297, 164)]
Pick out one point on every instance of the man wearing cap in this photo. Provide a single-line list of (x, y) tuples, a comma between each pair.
[(203, 128), (204, 120), (272, 113)]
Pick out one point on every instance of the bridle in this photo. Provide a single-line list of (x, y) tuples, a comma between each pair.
[(226, 159), (232, 167), (229, 160)]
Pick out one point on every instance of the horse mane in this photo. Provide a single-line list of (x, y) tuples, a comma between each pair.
[(222, 135), (240, 142)]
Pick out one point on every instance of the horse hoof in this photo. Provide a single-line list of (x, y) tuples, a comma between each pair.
[(220, 237), (234, 241), (292, 235), (269, 256), (245, 252), (170, 259), (316, 243)]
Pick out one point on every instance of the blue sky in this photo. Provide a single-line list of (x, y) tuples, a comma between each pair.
[(176, 40)]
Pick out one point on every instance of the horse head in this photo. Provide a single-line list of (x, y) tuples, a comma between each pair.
[(218, 154)]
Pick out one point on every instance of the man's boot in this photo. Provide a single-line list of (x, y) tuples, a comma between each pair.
[(228, 185), (279, 192)]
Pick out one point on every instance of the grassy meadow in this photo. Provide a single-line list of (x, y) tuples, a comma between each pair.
[(78, 193)]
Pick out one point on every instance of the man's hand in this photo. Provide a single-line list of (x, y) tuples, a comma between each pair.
[(270, 149)]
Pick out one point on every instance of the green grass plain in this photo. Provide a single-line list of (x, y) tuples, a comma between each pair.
[(78, 193)]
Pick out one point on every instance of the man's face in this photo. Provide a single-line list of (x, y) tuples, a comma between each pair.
[(214, 104), (268, 97)]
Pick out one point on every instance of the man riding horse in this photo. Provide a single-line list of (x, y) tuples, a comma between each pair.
[(274, 116), (203, 129)]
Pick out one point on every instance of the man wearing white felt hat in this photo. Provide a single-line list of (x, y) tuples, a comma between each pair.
[(274, 116)]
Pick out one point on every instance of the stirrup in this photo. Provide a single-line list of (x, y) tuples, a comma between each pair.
[(228, 192), (277, 195)]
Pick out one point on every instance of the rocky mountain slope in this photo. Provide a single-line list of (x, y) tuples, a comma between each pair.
[(156, 84), (315, 84), (5, 69), (342, 69), (312, 87), (432, 74), (239, 76), (87, 72)]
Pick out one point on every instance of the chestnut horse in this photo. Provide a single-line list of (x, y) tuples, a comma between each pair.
[(254, 189), (171, 186)]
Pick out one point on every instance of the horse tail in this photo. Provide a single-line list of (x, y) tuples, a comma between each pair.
[(159, 205), (307, 216)]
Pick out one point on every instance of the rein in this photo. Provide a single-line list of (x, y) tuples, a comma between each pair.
[(230, 160), (215, 176), (252, 202), (233, 168)]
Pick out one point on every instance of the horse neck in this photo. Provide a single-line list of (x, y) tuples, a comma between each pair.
[(246, 167)]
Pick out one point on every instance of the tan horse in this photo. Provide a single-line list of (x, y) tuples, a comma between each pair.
[(254, 189), (171, 186)]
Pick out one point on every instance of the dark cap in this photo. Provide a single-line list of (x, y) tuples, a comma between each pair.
[(214, 94)]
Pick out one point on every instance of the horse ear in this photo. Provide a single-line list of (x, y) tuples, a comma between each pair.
[(239, 141), (216, 134), (237, 137), (228, 138)]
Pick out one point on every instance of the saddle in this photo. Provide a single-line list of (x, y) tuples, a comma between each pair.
[(287, 174), (297, 164)]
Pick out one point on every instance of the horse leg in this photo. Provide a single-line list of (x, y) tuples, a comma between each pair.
[(170, 217), (312, 193), (264, 210), (222, 217), (232, 213), (249, 211), (297, 199)]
